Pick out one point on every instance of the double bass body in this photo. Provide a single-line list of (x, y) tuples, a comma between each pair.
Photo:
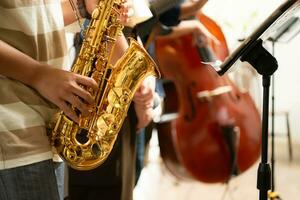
[(217, 131)]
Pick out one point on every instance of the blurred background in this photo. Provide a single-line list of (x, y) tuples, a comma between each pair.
[(238, 19)]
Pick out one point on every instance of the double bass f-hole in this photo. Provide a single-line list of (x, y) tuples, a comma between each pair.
[(192, 114)]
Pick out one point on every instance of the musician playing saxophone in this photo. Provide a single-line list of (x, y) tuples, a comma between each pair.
[(114, 179)]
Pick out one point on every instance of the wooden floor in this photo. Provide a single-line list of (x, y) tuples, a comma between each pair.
[(157, 183)]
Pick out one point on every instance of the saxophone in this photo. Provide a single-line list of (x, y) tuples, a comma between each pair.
[(87, 144)]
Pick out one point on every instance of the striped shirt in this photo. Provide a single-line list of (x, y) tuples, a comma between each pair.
[(36, 28)]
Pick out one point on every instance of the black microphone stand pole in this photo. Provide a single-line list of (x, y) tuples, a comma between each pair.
[(265, 64), (273, 127), (273, 195)]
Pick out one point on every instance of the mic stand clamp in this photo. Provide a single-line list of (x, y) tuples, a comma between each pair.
[(265, 64)]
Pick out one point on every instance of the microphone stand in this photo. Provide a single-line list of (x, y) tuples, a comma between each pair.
[(273, 195), (285, 31), (253, 52), (265, 64)]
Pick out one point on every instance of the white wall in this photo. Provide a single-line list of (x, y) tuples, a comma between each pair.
[(287, 82)]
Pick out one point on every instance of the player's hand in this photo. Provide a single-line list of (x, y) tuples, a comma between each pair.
[(64, 89)]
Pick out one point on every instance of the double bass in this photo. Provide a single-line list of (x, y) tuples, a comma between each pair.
[(216, 131)]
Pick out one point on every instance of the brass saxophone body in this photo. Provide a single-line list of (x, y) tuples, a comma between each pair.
[(87, 144)]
